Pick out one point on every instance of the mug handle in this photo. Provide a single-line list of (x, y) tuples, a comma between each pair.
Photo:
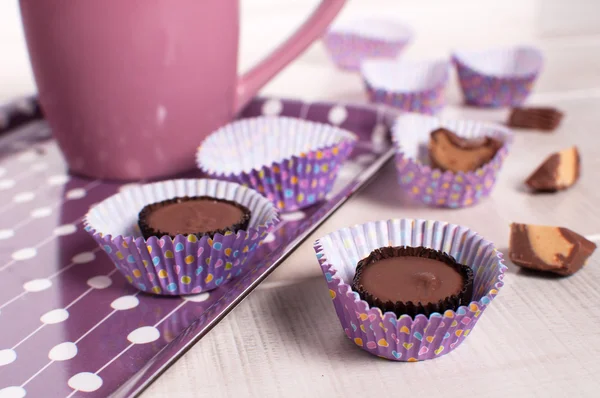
[(312, 29)]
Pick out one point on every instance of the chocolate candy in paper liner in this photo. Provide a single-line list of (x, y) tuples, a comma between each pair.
[(498, 77), (405, 338), (293, 162), (407, 85), (350, 42), (186, 264), (411, 134)]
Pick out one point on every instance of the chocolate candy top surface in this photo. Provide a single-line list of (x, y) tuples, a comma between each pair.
[(197, 215), (409, 278), (448, 151), (412, 280)]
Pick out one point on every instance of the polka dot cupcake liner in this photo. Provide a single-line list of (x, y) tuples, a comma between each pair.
[(498, 77), (292, 162), (405, 338), (352, 41), (433, 187), (186, 264), (407, 85)]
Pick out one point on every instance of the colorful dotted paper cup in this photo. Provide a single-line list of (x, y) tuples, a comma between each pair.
[(499, 77), (411, 134), (412, 86), (186, 264), (293, 162), (352, 41), (405, 338)]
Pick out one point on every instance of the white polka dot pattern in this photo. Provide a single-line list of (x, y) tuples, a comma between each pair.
[(272, 107), (7, 356), (6, 234), (24, 254), (55, 316), (85, 381), (144, 335), (37, 285), (41, 212), (63, 352), (13, 392), (76, 193), (125, 303), (337, 115), (83, 258)]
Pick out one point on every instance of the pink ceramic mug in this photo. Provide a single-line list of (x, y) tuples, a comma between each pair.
[(130, 88)]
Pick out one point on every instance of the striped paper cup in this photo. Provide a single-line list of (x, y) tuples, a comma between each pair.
[(411, 134), (406, 338), (412, 86), (187, 264), (352, 41), (498, 77), (293, 162)]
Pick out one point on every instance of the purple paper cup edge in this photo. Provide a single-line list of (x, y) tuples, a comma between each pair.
[(490, 91), (430, 101), (295, 182), (343, 51)]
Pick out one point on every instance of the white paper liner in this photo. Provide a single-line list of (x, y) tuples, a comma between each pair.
[(293, 162), (373, 28), (250, 144), (405, 76), (520, 61)]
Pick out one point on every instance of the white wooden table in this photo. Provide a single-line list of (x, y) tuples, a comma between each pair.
[(540, 337)]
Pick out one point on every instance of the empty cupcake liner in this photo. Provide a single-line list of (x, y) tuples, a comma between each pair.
[(352, 41), (499, 77), (405, 338), (186, 264), (293, 162), (407, 85), (411, 134)]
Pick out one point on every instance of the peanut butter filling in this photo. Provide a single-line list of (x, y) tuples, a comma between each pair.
[(549, 245), (568, 167), (448, 151)]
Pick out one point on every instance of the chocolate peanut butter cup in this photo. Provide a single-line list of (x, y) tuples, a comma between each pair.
[(200, 215), (448, 151), (548, 248), (413, 280), (559, 171)]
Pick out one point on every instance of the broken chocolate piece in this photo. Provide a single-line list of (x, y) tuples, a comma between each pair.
[(448, 151), (542, 118), (559, 171), (546, 248)]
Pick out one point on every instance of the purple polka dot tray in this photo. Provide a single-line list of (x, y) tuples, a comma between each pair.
[(70, 324)]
